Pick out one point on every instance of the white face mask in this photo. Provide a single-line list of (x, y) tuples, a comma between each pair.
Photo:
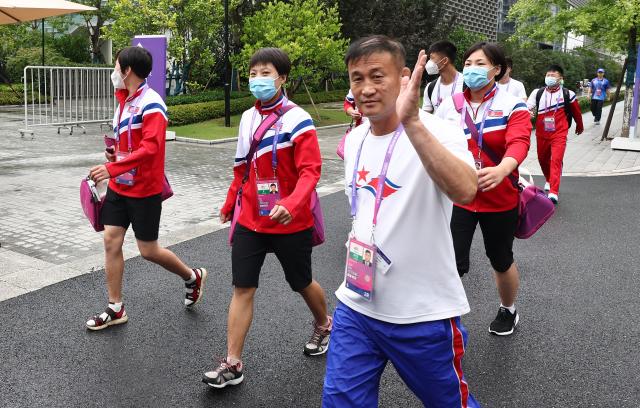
[(117, 80), (432, 67)]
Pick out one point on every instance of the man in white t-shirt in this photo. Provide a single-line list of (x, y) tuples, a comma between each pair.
[(401, 308), (513, 86), (442, 57)]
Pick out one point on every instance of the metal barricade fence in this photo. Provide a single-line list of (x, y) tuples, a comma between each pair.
[(67, 97)]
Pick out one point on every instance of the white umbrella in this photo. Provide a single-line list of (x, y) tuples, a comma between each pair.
[(17, 11)]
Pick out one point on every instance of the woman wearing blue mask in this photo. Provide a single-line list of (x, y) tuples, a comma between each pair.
[(498, 128), (274, 177)]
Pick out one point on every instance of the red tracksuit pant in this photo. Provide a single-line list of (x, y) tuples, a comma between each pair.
[(550, 155)]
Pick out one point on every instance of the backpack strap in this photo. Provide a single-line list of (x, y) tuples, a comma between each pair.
[(567, 107), (430, 87), (539, 93)]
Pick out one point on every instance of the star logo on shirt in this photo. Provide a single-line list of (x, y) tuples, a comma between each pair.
[(362, 175)]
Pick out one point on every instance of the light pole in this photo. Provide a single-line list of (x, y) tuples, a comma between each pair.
[(227, 74)]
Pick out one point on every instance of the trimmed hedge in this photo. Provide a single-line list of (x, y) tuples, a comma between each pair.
[(207, 96), (180, 115)]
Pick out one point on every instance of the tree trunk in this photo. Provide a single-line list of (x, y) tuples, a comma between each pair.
[(631, 71)]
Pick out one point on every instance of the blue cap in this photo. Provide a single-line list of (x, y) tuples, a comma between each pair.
[(600, 70)]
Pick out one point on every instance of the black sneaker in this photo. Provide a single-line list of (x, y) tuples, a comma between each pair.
[(504, 323), (225, 374), (319, 342)]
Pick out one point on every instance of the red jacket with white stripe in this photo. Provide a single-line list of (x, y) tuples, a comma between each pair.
[(148, 128), (298, 170), (507, 132), (552, 103)]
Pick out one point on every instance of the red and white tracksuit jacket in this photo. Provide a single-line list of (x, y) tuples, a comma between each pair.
[(298, 170), (507, 131), (350, 102), (148, 128), (552, 144)]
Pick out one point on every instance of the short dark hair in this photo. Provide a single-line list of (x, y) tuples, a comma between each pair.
[(446, 48), (555, 68), (275, 56), (138, 58), (365, 46), (509, 62), (494, 53)]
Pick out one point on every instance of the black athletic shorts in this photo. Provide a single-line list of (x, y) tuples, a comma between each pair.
[(250, 248), (142, 213), (497, 232)]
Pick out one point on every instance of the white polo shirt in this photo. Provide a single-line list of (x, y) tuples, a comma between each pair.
[(440, 93), (413, 228), (514, 87)]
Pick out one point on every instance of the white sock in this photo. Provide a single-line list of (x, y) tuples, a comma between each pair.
[(116, 307), (511, 308), (192, 279), (232, 361)]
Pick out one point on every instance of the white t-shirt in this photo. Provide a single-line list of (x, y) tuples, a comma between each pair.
[(428, 104), (514, 87), (413, 228)]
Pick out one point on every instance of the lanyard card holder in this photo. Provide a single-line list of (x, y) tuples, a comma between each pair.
[(268, 195), (549, 123), (125, 178), (360, 269)]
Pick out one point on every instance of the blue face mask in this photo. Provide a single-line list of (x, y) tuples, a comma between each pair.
[(475, 77), (550, 81), (263, 88)]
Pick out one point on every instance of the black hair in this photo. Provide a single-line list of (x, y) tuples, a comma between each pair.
[(509, 62), (366, 46), (555, 68), (272, 185), (137, 58), (445, 48), (494, 53), (275, 56)]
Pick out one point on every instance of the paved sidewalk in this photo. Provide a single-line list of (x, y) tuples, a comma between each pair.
[(44, 237)]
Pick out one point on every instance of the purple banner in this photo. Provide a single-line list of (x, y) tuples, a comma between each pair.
[(157, 46)]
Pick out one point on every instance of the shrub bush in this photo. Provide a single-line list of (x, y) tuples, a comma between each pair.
[(185, 114), (206, 96)]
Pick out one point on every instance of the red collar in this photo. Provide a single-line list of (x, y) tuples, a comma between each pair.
[(490, 94), (122, 94), (266, 110)]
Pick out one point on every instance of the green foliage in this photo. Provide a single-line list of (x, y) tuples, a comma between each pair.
[(75, 47), (415, 23), (306, 29), (605, 21), (32, 56), (207, 96), (194, 26), (530, 66), (463, 40), (198, 112)]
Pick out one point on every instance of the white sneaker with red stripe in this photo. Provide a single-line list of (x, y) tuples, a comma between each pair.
[(195, 289)]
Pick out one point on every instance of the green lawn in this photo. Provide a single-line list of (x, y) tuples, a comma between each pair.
[(215, 129)]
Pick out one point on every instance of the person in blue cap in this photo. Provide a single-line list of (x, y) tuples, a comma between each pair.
[(598, 91)]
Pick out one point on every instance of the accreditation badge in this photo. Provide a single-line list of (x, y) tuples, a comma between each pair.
[(549, 124), (268, 195), (125, 178), (360, 268)]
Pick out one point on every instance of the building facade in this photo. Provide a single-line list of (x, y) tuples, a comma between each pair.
[(478, 16)]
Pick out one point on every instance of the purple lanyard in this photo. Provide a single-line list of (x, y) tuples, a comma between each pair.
[(549, 101), (131, 115), (453, 87), (381, 178), (484, 118), (274, 147)]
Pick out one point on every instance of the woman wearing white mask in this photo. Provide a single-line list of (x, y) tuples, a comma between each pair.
[(499, 129), (287, 155), (442, 57), (136, 171)]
